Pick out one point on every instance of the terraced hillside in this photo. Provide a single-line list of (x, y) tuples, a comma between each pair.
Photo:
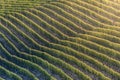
[(11, 6), (60, 40)]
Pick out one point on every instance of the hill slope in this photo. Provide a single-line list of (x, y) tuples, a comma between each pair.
[(61, 40)]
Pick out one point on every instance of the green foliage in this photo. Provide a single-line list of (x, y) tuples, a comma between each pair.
[(59, 40)]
